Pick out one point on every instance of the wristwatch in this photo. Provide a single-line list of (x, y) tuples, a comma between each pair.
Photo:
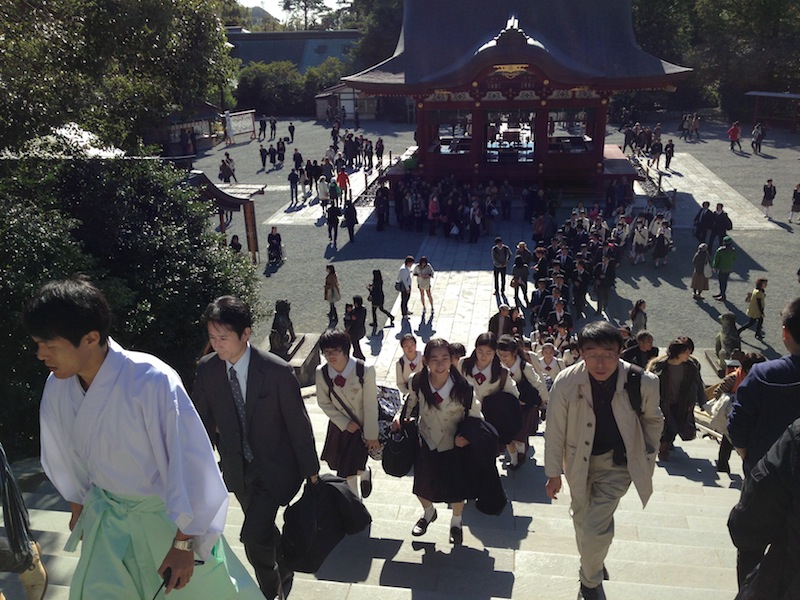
[(185, 545)]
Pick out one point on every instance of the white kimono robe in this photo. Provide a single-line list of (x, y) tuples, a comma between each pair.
[(134, 432)]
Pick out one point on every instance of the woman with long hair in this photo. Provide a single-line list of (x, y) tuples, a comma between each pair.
[(377, 298), (699, 283), (681, 387), (638, 317), (332, 292), (444, 399), (484, 371), (533, 395), (424, 273)]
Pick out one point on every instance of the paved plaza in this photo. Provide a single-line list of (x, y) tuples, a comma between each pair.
[(678, 547)]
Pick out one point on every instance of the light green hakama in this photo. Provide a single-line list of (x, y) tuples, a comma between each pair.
[(125, 540)]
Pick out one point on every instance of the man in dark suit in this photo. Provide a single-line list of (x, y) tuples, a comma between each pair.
[(251, 406), (703, 221), (580, 286), (604, 279), (558, 316), (720, 225), (501, 323), (643, 351)]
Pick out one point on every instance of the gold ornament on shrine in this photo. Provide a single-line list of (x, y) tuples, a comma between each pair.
[(511, 71)]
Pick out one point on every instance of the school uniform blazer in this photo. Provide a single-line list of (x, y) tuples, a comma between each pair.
[(438, 424), (403, 372), (361, 400), (278, 428), (527, 371), (487, 388)]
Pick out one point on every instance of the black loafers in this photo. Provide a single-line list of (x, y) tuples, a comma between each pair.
[(421, 526)]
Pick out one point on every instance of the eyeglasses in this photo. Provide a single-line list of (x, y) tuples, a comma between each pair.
[(331, 352), (598, 357)]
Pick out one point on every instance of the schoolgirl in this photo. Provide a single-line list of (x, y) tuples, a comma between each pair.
[(409, 363), (484, 371), (444, 398), (548, 365), (512, 356), (347, 394)]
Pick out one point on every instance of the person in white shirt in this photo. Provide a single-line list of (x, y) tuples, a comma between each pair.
[(404, 282), (123, 443)]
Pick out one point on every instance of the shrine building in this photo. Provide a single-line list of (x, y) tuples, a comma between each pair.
[(517, 89)]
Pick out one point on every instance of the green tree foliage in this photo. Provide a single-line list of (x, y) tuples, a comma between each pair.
[(308, 10), (380, 22), (140, 232), (234, 14), (274, 88), (318, 78), (114, 66)]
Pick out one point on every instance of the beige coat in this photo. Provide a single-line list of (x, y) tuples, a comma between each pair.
[(570, 429), (361, 400), (438, 424), (404, 372)]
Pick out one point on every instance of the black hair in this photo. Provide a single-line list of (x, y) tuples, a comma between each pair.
[(358, 300), (485, 339), (457, 349), (508, 343), (637, 308), (462, 390), (377, 277), (678, 346), (335, 339), (790, 318), (230, 311), (68, 308), (600, 333)]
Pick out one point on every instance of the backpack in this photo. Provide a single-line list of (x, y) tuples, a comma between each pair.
[(634, 388)]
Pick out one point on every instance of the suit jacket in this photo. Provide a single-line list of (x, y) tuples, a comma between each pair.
[(604, 280), (494, 325), (278, 427)]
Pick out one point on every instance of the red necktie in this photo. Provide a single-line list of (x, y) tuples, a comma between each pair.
[(437, 398), (340, 381), (547, 368), (480, 378), (412, 365)]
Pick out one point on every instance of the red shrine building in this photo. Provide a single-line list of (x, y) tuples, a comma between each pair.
[(517, 89)]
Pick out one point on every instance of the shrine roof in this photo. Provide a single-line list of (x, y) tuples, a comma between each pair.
[(445, 43)]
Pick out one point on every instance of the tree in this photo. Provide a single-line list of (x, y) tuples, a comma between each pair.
[(114, 66), (310, 9), (234, 14), (380, 24), (140, 232), (327, 74), (274, 88)]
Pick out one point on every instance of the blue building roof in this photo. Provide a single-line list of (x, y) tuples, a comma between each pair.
[(304, 48)]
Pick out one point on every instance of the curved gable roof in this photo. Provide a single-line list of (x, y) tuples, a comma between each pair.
[(444, 43)]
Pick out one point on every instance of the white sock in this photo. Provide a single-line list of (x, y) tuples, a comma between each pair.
[(352, 481), (429, 512), (520, 446), (512, 458), (455, 521)]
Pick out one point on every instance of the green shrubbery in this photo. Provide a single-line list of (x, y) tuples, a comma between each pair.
[(144, 237)]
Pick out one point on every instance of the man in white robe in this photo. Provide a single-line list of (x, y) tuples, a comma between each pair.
[(122, 442)]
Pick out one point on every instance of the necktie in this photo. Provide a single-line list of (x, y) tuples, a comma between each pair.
[(238, 401), (548, 368), (340, 381), (412, 365), (480, 378), (437, 398)]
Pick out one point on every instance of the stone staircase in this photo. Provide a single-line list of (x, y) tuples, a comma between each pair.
[(678, 547)]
